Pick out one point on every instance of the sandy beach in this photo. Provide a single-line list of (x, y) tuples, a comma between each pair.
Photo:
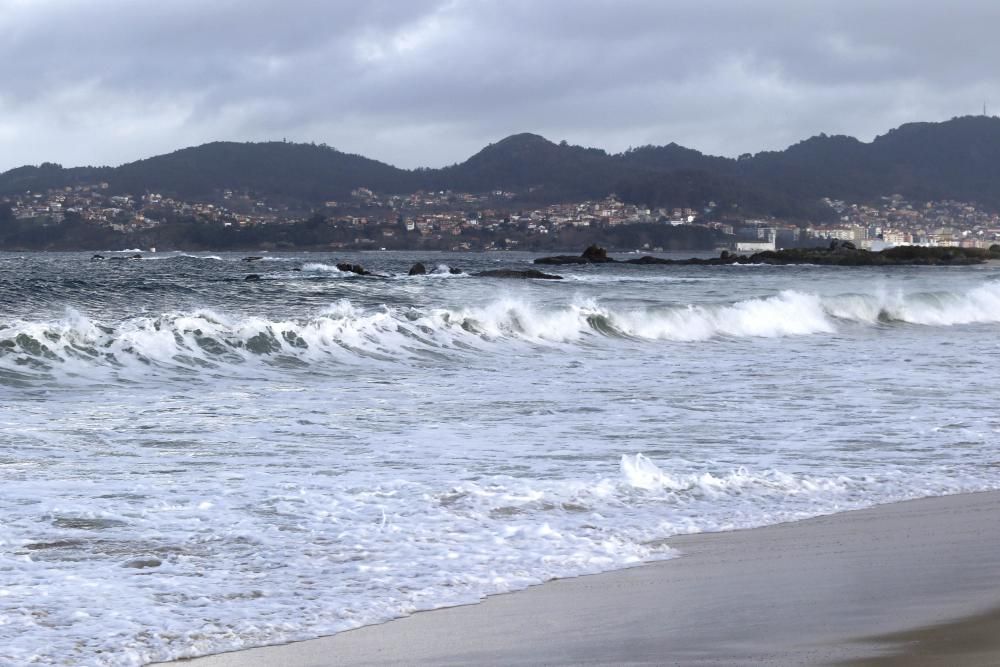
[(916, 582)]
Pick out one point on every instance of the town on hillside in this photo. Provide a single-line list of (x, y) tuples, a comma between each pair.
[(494, 220)]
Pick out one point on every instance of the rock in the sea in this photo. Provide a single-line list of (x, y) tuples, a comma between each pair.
[(97, 258), (417, 269), (353, 268), (837, 244), (253, 258), (649, 259), (252, 277), (454, 271), (515, 273), (594, 254)]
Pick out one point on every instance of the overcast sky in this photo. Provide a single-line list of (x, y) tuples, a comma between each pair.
[(429, 82)]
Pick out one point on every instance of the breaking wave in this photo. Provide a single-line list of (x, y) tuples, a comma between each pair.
[(207, 339), (320, 267)]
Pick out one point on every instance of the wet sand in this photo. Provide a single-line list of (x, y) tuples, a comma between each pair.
[(968, 642), (912, 583)]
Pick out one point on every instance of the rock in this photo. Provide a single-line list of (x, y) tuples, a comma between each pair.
[(649, 259), (561, 259), (97, 258), (418, 269), (592, 255), (252, 277), (837, 244), (454, 271), (253, 258), (724, 254), (514, 273), (353, 268), (693, 261), (843, 253), (136, 256), (596, 254)]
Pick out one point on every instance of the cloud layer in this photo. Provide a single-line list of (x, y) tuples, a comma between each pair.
[(428, 82)]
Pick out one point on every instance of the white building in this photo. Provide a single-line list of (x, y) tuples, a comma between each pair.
[(755, 246)]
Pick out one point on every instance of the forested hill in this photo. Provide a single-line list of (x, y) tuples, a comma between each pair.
[(277, 169), (527, 161), (957, 159), (304, 172)]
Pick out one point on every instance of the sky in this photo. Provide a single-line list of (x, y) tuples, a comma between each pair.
[(430, 82)]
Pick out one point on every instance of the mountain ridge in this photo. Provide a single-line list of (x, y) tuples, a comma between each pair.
[(955, 159)]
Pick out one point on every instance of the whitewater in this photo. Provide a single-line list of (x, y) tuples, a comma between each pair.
[(192, 463)]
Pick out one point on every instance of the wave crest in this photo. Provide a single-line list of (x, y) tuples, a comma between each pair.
[(205, 338)]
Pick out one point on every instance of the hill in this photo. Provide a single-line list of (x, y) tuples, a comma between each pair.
[(276, 169), (531, 162), (957, 159)]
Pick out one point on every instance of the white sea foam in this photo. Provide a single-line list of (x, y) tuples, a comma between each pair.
[(194, 470), (237, 561), (319, 266), (208, 338), (187, 256)]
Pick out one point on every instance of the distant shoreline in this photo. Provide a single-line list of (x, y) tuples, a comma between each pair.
[(838, 253)]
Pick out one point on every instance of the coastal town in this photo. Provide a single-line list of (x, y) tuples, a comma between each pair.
[(509, 220)]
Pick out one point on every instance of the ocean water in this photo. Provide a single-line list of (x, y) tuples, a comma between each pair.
[(191, 463)]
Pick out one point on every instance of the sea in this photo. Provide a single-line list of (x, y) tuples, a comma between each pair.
[(192, 463)]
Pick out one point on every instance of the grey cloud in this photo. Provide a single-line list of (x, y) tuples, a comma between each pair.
[(429, 82)]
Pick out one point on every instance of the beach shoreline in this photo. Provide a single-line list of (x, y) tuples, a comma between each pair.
[(851, 587)]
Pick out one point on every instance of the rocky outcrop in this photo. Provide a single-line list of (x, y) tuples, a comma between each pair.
[(838, 253), (354, 268), (253, 258), (596, 255), (525, 274), (648, 259), (592, 255), (419, 269), (724, 258), (844, 253), (252, 278)]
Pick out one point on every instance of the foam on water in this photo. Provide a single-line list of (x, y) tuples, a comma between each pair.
[(236, 560), (192, 470), (320, 267), (206, 338)]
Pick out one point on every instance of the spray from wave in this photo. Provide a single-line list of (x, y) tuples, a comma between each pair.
[(205, 338)]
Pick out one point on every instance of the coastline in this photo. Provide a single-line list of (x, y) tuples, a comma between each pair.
[(857, 587)]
